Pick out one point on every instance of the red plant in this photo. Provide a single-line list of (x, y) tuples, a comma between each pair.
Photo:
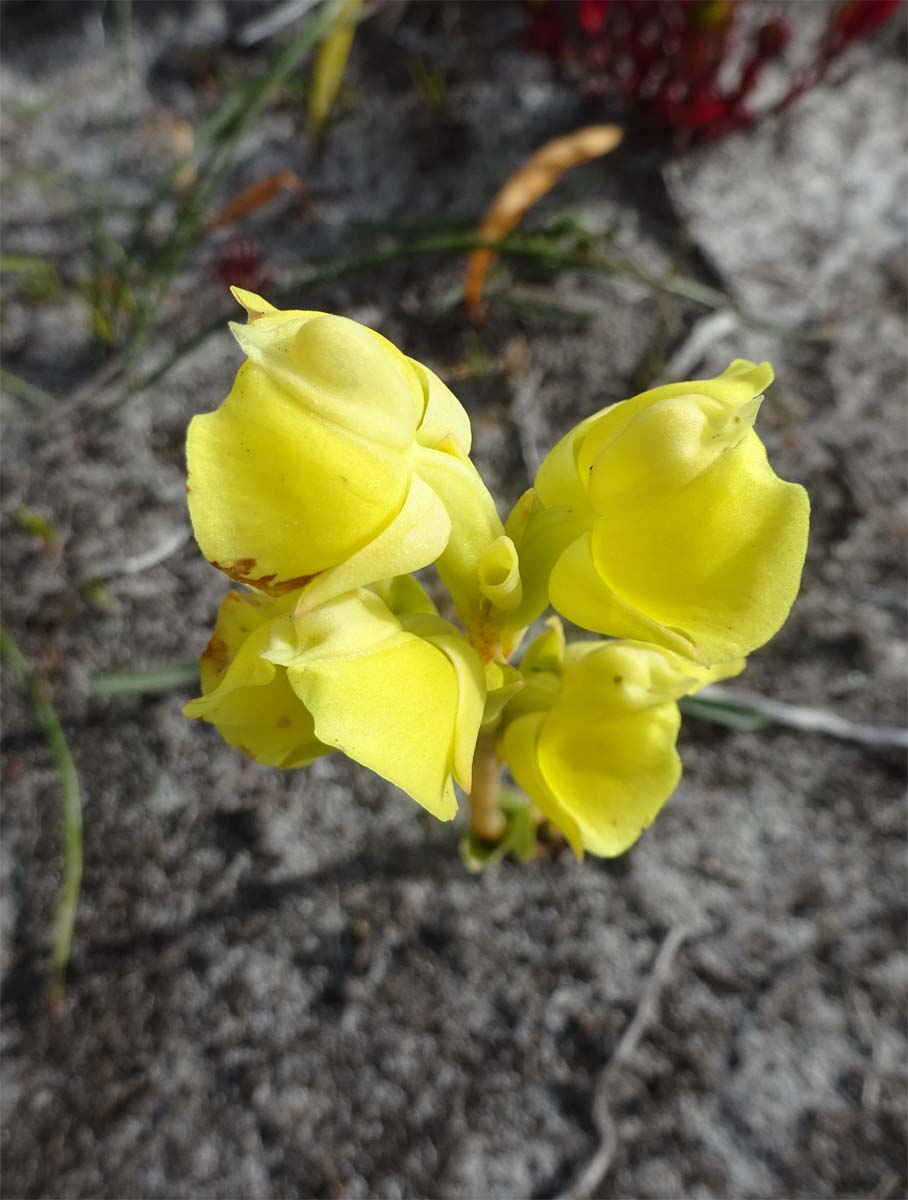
[(669, 59)]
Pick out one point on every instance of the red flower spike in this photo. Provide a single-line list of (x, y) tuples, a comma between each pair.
[(859, 18), (772, 38), (666, 58), (591, 15)]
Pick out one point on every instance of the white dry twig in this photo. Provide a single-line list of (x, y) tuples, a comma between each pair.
[(810, 720), (137, 563), (597, 1168), (705, 333), (273, 21), (526, 413)]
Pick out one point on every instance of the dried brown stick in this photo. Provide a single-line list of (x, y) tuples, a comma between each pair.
[(597, 1168), (529, 183)]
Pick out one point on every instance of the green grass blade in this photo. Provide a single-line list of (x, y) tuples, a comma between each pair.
[(70, 814), (732, 716), (152, 679), (235, 118), (30, 393)]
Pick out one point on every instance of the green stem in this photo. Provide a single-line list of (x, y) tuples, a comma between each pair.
[(70, 813)]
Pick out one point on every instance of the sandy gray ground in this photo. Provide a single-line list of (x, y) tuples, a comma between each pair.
[(288, 985)]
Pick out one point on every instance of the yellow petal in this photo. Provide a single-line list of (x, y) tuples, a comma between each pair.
[(239, 615), (739, 384), (355, 623), (471, 684), (394, 711), (443, 414), (255, 305), (276, 494), (474, 519), (580, 593), (341, 370), (248, 700), (519, 747), (546, 653), (558, 482), (610, 776), (541, 540), (666, 446), (415, 537), (499, 574), (503, 682), (404, 595), (618, 676), (598, 757), (717, 562), (269, 723)]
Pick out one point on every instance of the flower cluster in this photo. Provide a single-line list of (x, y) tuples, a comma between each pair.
[(337, 467)]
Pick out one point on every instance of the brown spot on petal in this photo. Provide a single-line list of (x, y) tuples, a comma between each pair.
[(284, 723), (242, 569), (216, 654), (288, 585)]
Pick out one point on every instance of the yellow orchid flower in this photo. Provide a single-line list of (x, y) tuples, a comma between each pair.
[(336, 466), (402, 695), (660, 518), (335, 461), (591, 737)]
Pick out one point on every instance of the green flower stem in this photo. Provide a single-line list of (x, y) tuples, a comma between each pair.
[(487, 821), (71, 813)]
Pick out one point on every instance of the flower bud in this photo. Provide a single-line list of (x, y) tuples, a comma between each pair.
[(660, 518), (591, 737)]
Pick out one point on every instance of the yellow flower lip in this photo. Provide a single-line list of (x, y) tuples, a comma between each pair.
[(402, 695), (591, 738)]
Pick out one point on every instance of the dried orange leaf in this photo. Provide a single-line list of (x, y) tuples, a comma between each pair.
[(254, 196), (538, 175)]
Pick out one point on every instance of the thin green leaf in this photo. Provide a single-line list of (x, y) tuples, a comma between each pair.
[(30, 393), (451, 242), (226, 130), (151, 679), (732, 716), (70, 813)]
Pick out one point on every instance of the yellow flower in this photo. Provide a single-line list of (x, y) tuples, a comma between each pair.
[(400, 694), (591, 736), (334, 461), (660, 518)]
